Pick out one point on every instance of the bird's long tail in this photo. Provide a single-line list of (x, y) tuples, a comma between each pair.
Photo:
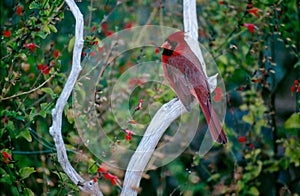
[(213, 122)]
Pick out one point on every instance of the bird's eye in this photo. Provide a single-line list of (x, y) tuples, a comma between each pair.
[(173, 45)]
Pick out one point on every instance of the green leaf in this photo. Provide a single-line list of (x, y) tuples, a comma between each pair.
[(213, 177), (62, 176), (70, 115), (42, 34), (52, 28), (293, 122), (71, 44), (6, 179), (297, 64), (244, 107), (28, 192), (223, 59), (35, 5), (253, 191), (25, 172), (49, 91), (46, 29), (248, 118), (26, 135), (91, 8), (92, 166), (45, 109)]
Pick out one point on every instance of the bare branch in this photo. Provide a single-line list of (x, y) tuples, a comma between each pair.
[(191, 28), (90, 187), (190, 18), (28, 92), (138, 162)]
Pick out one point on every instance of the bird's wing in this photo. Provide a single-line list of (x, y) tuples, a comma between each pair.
[(180, 84), (199, 56)]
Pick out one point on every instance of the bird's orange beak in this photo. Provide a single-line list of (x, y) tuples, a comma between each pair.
[(166, 45)]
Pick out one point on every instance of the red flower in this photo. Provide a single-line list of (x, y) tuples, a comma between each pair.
[(242, 139), (156, 50), (254, 11), (95, 180), (83, 54), (293, 89), (109, 33), (44, 68), (4, 120), (93, 42), (218, 95), (93, 53), (250, 27), (113, 179), (100, 49), (140, 105), (251, 145), (250, 5), (221, 2), (298, 89), (132, 122), (296, 82), (56, 53), (94, 28), (103, 168), (19, 10), (104, 26), (129, 134), (6, 33), (6, 156), (31, 46), (217, 98), (128, 25), (128, 137)]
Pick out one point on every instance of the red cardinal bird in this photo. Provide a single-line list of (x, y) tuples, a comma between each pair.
[(185, 74)]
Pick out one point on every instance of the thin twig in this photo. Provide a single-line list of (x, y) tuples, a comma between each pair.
[(27, 92)]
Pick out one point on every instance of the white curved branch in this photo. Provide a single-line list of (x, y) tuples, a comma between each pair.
[(55, 130), (162, 119), (138, 162), (191, 29)]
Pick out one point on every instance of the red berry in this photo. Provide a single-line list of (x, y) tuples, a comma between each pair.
[(251, 145), (31, 46), (104, 26), (156, 50), (128, 25), (19, 10), (93, 53), (109, 33), (293, 88), (242, 139), (250, 27), (6, 33), (56, 53), (95, 179)]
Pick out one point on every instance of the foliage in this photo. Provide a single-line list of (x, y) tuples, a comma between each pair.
[(256, 46)]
